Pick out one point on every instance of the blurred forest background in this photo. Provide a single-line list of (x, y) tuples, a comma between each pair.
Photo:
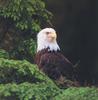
[(75, 22)]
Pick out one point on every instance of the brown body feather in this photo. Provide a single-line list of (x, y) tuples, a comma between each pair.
[(54, 64)]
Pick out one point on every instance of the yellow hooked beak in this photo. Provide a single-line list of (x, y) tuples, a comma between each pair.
[(52, 37)]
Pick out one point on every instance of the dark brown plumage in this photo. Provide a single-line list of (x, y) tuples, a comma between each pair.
[(54, 64)]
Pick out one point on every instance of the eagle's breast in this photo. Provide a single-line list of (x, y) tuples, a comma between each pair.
[(53, 63)]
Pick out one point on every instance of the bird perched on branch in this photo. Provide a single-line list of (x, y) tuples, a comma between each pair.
[(49, 57)]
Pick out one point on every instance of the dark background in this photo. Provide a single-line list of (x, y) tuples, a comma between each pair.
[(76, 24)]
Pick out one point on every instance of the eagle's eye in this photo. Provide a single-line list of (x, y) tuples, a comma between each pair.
[(47, 33)]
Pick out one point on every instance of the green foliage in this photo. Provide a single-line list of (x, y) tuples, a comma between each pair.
[(22, 19), (10, 70), (30, 45), (25, 50), (23, 80), (26, 14), (27, 91), (82, 93), (3, 54)]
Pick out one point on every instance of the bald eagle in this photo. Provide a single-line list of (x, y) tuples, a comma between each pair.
[(49, 57)]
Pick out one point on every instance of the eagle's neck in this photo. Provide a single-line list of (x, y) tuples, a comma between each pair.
[(50, 46)]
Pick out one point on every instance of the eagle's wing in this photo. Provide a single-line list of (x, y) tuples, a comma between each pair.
[(55, 65)]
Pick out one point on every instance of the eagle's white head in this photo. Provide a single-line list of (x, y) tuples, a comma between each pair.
[(46, 38)]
